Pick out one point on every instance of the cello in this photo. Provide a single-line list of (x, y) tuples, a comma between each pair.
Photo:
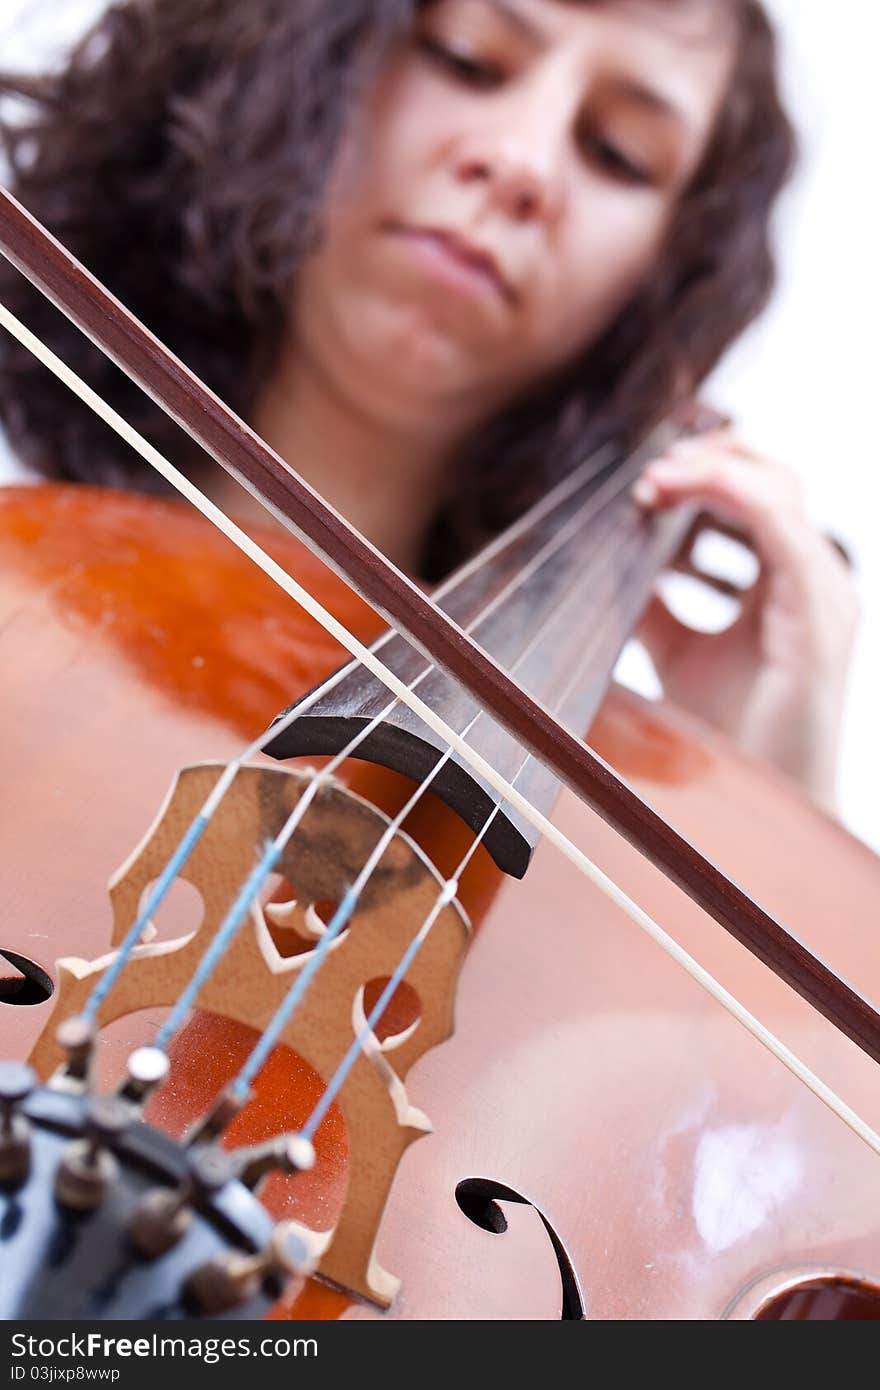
[(632, 1146)]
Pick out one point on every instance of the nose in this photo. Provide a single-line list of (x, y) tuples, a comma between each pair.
[(518, 171)]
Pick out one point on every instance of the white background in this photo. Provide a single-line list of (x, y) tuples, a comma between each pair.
[(801, 384)]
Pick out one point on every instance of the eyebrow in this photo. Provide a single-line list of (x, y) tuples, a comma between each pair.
[(638, 92)]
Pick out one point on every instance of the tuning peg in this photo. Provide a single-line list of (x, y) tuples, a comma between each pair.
[(16, 1083), (87, 1167), (76, 1036), (291, 1153), (162, 1217), (146, 1069), (230, 1280)]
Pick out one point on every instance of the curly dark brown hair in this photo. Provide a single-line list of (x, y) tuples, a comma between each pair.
[(181, 154)]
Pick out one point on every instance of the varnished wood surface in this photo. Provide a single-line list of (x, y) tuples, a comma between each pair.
[(678, 1162)]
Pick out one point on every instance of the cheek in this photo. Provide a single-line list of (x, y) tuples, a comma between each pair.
[(607, 252), (391, 144)]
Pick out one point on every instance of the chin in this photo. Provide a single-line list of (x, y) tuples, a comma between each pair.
[(409, 352)]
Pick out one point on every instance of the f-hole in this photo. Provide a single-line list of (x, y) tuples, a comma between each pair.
[(478, 1198), (31, 985)]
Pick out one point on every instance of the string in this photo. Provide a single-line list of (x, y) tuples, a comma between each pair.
[(347, 906), (484, 769), (220, 944), (237, 915), (783, 1054), (185, 848), (594, 505), (447, 894), (286, 1010)]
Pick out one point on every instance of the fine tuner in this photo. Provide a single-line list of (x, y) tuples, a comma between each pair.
[(142, 1226)]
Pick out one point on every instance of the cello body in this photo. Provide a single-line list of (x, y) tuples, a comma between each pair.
[(593, 1104)]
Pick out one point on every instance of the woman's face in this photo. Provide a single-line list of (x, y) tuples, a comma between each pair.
[(507, 189)]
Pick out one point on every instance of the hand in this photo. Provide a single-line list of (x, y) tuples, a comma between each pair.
[(775, 680)]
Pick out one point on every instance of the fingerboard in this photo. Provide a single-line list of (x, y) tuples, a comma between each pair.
[(553, 602)]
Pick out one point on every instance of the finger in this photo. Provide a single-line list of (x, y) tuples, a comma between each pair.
[(765, 502)]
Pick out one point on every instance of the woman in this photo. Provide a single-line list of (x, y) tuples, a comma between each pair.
[(437, 253)]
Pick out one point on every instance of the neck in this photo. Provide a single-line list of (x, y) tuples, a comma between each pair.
[(384, 481)]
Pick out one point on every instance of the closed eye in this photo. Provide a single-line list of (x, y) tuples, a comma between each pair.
[(618, 163), (464, 67)]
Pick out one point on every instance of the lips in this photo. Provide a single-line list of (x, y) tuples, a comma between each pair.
[(467, 254)]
